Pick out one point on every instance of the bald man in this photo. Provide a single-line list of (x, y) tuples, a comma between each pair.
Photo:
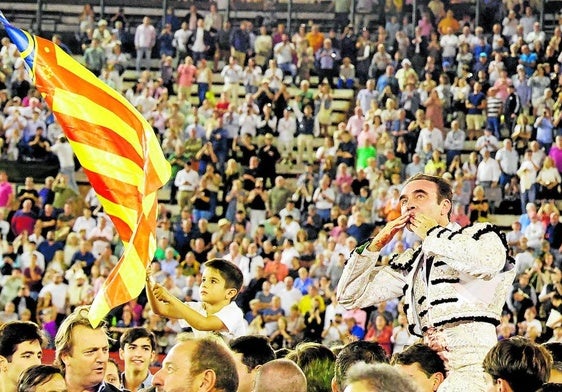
[(280, 375)]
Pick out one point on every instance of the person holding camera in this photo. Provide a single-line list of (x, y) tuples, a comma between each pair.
[(326, 64), (268, 156), (64, 153), (257, 203), (284, 53), (545, 128), (487, 142), (38, 146), (201, 201), (206, 155), (335, 332), (313, 319)]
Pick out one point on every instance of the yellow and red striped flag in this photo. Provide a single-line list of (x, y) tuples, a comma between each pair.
[(117, 149)]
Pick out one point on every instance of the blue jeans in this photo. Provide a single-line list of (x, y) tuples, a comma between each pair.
[(324, 214), (288, 68), (528, 196), (202, 89), (143, 53), (69, 172), (451, 154), (197, 56), (250, 89), (345, 83), (493, 123), (201, 214), (505, 179)]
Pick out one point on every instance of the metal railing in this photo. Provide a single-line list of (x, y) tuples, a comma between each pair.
[(290, 12)]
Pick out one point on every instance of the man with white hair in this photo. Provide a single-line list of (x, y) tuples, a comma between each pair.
[(367, 95), (535, 35), (405, 74)]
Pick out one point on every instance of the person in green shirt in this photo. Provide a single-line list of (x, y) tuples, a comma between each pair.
[(63, 192)]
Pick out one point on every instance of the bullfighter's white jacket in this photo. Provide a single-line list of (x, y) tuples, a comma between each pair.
[(456, 275)]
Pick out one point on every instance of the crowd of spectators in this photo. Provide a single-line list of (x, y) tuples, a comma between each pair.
[(423, 92)]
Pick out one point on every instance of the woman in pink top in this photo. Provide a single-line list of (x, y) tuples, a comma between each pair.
[(425, 24), (343, 176), (6, 190), (434, 109), (367, 136), (186, 76)]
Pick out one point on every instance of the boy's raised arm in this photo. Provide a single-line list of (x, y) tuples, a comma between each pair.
[(199, 321), (167, 305), (159, 304)]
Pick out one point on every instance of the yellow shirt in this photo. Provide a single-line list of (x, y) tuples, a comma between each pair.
[(315, 40), (305, 304), (447, 22)]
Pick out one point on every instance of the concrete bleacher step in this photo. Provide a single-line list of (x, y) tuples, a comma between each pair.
[(470, 145), (69, 11), (503, 221), (341, 105)]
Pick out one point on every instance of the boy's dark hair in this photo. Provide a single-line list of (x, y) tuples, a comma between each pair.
[(228, 271), (255, 350), (132, 334), (359, 351), (550, 387), (428, 360), (16, 332), (37, 375), (524, 365), (555, 349)]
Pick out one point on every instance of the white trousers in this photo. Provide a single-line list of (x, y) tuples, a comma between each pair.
[(463, 347)]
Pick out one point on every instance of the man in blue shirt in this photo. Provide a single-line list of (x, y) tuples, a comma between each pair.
[(240, 43), (544, 127), (528, 59), (475, 103)]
